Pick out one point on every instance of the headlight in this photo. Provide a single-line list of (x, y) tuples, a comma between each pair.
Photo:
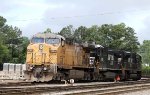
[(45, 68), (31, 68)]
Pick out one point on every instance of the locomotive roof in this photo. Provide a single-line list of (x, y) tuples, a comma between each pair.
[(125, 53), (48, 35), (114, 51)]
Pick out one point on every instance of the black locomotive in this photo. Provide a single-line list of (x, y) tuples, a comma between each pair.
[(116, 63)]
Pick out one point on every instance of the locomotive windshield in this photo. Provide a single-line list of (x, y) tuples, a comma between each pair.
[(37, 40), (52, 41)]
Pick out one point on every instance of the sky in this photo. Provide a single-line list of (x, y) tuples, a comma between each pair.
[(33, 16)]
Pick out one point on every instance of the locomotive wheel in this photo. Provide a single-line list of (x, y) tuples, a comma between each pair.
[(138, 75)]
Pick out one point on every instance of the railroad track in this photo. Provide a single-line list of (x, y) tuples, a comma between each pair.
[(109, 91), (77, 89), (8, 84)]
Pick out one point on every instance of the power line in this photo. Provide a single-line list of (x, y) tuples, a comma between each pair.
[(88, 15)]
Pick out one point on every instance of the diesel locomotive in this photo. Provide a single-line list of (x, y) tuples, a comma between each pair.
[(52, 57)]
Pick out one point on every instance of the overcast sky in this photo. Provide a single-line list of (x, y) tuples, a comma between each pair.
[(33, 16)]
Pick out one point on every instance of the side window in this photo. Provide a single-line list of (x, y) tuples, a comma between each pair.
[(110, 57), (102, 59), (130, 60)]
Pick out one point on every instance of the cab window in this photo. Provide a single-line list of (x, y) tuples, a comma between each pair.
[(37, 40), (52, 40)]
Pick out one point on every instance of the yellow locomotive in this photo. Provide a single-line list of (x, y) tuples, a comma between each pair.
[(50, 57)]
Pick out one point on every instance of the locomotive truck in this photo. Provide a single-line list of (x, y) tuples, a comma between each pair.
[(52, 57)]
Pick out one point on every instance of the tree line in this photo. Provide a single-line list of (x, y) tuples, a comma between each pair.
[(116, 37), (13, 45)]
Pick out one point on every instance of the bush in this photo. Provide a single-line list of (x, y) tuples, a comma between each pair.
[(145, 70)]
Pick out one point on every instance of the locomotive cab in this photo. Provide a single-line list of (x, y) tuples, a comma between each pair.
[(42, 54)]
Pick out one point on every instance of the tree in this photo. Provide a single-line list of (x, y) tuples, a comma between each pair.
[(4, 52), (48, 30), (10, 42), (91, 34), (118, 37), (3, 49), (2, 21), (22, 49), (67, 32), (80, 34), (144, 50), (12, 39)]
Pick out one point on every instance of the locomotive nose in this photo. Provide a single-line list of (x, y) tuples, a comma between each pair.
[(42, 53), (36, 54)]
